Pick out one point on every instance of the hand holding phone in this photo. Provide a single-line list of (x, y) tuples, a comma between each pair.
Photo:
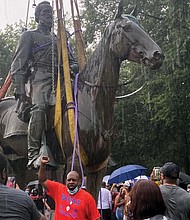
[(156, 171)]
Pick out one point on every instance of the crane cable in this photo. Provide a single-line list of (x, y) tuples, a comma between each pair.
[(27, 12)]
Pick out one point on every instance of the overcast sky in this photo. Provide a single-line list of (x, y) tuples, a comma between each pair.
[(11, 11)]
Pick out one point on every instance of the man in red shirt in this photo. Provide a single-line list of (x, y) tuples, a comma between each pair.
[(71, 202)]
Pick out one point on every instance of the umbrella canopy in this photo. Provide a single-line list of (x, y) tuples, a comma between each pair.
[(32, 183), (106, 178), (141, 177), (126, 173)]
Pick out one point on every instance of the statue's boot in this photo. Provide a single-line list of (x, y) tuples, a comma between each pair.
[(35, 129), (45, 151)]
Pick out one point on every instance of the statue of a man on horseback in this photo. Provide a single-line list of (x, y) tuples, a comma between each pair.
[(36, 62), (93, 121)]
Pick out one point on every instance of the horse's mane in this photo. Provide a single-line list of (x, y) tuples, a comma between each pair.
[(101, 60)]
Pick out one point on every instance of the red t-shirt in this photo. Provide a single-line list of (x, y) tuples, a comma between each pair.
[(80, 206)]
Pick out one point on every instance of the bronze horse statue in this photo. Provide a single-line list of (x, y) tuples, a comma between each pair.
[(123, 39)]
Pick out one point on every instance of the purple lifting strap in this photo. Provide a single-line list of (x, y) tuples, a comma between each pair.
[(76, 138)]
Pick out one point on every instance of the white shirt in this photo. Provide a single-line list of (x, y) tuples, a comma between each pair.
[(106, 200)]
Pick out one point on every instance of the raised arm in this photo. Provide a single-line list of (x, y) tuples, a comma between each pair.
[(42, 171)]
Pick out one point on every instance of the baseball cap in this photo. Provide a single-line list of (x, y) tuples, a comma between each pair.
[(170, 170)]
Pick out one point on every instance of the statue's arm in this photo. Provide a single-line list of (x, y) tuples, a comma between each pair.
[(20, 63)]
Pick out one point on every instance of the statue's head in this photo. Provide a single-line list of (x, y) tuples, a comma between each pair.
[(44, 14)]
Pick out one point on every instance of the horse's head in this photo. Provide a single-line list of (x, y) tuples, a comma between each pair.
[(129, 41)]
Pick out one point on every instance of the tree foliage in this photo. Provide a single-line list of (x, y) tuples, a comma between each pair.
[(153, 125), (8, 41)]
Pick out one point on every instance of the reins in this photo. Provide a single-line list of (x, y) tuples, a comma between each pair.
[(113, 86), (105, 86)]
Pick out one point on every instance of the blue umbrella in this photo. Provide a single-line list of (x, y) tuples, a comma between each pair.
[(126, 173)]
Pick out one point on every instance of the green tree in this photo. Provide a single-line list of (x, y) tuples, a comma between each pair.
[(153, 125), (8, 41)]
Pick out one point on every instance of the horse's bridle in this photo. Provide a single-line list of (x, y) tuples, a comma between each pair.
[(110, 86)]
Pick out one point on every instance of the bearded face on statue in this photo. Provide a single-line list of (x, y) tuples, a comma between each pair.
[(44, 14)]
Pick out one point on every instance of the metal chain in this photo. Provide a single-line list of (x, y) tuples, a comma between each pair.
[(53, 50)]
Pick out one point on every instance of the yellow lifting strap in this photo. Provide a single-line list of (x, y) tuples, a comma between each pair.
[(58, 108), (67, 79)]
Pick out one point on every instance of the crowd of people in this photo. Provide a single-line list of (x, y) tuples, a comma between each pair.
[(157, 198)]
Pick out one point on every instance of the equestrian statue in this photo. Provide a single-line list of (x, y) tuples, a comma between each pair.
[(123, 39)]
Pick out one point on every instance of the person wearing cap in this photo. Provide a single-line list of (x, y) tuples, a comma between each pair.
[(177, 200), (36, 61)]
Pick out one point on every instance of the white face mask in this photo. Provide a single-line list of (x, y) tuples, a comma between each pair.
[(75, 190)]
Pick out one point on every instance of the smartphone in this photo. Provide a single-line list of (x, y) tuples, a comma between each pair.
[(156, 171)]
